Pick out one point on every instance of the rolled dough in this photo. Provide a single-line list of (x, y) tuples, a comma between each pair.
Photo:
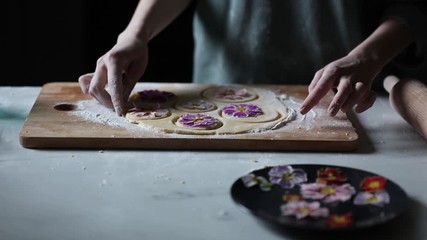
[(275, 113)]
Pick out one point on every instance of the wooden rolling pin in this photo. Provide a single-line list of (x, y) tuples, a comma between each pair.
[(409, 98)]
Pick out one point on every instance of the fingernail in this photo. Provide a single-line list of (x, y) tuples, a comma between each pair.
[(303, 110), (119, 111), (333, 111)]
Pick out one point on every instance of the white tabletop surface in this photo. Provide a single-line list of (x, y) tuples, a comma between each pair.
[(139, 194)]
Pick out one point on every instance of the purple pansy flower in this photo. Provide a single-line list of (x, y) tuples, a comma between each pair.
[(242, 110), (378, 198), (327, 193), (197, 104), (302, 209), (286, 176), (155, 95), (198, 120), (232, 93), (157, 113)]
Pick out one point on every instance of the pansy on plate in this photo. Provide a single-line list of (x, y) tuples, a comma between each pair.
[(302, 209), (339, 220), (331, 175), (286, 176), (310, 196), (327, 193)]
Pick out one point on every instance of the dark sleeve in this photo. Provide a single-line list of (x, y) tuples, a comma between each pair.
[(413, 14)]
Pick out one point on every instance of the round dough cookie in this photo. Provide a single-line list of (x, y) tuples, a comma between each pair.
[(198, 121), (196, 105), (230, 94), (150, 99), (137, 115), (249, 113)]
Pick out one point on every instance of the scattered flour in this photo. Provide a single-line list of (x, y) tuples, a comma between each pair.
[(93, 111)]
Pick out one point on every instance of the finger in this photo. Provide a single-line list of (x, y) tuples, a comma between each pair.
[(344, 90), (315, 80), (84, 82), (360, 90), (323, 86), (135, 71), (115, 86), (97, 86), (367, 102)]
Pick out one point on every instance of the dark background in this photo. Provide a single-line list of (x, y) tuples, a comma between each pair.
[(51, 41)]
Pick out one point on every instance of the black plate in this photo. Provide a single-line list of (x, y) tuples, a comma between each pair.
[(331, 215)]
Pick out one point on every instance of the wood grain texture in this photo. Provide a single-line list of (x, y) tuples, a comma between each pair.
[(47, 127), (409, 98)]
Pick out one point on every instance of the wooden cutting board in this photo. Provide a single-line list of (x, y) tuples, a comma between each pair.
[(52, 123)]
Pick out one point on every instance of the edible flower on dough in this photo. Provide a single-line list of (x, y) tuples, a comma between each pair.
[(231, 93), (198, 120), (242, 110), (198, 104), (156, 113), (155, 95)]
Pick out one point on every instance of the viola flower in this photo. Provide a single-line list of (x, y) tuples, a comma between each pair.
[(251, 180), (242, 110), (198, 104), (198, 120), (155, 95), (231, 93), (327, 193), (339, 220), (292, 197), (379, 198), (150, 114), (372, 184), (302, 209), (286, 176), (330, 175)]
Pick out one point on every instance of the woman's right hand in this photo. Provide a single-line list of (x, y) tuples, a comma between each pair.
[(116, 73)]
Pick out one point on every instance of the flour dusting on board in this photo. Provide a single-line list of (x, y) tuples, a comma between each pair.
[(92, 111)]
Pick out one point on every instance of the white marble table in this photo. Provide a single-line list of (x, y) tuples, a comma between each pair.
[(131, 194)]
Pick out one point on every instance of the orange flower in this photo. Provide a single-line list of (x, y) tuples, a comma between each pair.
[(339, 220), (292, 197), (373, 184)]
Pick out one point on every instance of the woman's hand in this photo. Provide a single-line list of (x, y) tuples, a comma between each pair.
[(352, 76), (116, 73)]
